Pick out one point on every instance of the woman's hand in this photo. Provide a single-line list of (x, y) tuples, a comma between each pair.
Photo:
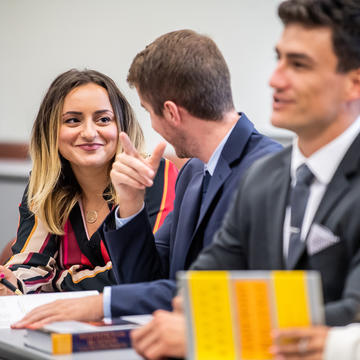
[(9, 276)]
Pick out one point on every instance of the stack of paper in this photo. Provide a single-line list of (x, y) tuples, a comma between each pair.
[(13, 308)]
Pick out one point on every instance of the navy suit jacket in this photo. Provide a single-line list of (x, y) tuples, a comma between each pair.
[(144, 266)]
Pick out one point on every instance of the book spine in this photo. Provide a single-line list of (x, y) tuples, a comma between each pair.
[(103, 340)]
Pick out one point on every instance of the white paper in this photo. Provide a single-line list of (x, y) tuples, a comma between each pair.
[(71, 327), (138, 319), (13, 308)]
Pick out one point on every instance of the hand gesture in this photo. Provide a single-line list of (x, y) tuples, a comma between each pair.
[(131, 174)]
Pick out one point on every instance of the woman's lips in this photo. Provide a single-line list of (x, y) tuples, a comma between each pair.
[(90, 147)]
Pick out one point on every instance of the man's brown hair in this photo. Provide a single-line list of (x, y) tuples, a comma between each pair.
[(186, 68)]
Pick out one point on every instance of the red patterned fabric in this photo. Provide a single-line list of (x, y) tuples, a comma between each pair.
[(47, 262)]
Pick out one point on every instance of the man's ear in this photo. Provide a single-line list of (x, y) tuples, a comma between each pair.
[(172, 112), (354, 85)]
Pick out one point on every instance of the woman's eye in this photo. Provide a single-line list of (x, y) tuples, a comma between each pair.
[(104, 120), (71, 121)]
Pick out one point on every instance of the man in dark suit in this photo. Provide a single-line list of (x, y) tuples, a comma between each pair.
[(184, 83), (317, 95), (300, 208), (190, 227)]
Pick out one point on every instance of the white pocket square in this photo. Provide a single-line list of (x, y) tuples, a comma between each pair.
[(320, 238)]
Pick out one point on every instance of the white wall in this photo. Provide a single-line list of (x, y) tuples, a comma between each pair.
[(41, 38)]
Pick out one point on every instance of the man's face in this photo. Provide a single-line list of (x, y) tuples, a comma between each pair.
[(172, 134), (309, 94)]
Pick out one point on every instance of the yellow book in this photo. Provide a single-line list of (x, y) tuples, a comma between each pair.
[(230, 314)]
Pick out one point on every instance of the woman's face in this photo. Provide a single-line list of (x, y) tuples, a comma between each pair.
[(88, 133)]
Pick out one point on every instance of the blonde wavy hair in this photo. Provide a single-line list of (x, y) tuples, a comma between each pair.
[(53, 190)]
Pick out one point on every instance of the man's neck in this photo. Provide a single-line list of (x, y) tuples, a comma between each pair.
[(212, 133), (313, 140)]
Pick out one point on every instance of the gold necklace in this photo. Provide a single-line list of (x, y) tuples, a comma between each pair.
[(91, 216)]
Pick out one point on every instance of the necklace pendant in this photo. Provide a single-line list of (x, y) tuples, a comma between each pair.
[(91, 216)]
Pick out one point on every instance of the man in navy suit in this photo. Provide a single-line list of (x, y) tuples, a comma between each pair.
[(183, 82)]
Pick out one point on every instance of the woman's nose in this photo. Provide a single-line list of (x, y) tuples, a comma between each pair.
[(89, 130)]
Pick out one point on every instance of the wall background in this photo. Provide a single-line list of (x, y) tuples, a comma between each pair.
[(40, 39)]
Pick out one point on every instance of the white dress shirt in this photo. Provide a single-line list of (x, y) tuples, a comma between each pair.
[(343, 343)]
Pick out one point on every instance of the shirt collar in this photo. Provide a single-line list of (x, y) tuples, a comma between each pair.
[(318, 162), (211, 164)]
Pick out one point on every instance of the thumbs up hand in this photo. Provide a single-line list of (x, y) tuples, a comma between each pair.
[(131, 174)]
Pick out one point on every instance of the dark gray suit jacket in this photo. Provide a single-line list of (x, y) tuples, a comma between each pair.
[(251, 236)]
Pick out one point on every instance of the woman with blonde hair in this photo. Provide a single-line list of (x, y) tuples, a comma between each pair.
[(74, 142)]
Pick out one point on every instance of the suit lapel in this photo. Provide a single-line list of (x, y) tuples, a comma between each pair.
[(339, 184), (232, 151), (276, 206), (188, 216), (336, 189)]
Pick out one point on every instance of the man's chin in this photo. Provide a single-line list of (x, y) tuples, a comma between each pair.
[(280, 121), (182, 154)]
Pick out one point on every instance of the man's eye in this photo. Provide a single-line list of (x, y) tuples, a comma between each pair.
[(298, 64)]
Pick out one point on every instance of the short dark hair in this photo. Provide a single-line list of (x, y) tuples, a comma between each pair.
[(187, 68), (341, 16)]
